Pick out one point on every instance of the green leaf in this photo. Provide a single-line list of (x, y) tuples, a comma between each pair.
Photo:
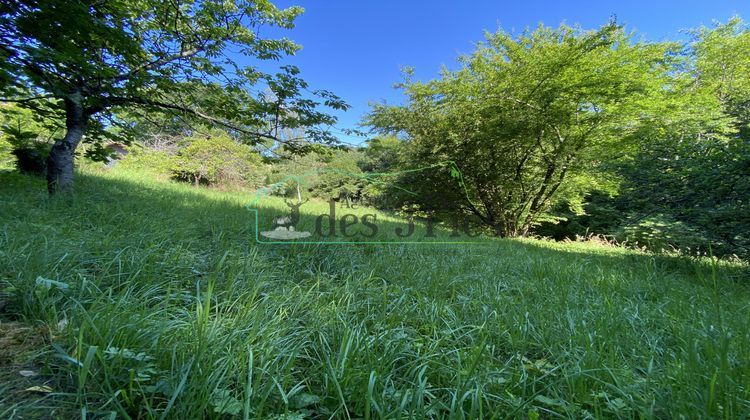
[(224, 403), (304, 400)]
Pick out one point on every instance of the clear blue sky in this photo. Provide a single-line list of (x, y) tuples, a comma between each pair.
[(355, 48)]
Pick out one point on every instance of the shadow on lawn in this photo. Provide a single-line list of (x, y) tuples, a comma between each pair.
[(101, 203)]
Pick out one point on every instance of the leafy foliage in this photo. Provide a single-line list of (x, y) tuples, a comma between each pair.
[(526, 115), (382, 155), (7, 160), (26, 137), (31, 154), (217, 160), (332, 174), (342, 177), (95, 58), (687, 182), (158, 163)]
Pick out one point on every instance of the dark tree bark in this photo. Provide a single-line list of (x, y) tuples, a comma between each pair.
[(62, 155)]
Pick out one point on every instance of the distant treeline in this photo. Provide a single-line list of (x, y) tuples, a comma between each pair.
[(557, 132)]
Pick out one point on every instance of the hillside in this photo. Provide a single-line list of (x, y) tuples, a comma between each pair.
[(151, 299)]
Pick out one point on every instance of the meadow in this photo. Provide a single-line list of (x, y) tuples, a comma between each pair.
[(143, 298)]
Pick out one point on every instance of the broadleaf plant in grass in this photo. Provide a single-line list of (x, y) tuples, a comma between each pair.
[(93, 58)]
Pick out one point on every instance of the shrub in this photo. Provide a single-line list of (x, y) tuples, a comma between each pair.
[(7, 159), (660, 233), (217, 160), (342, 178), (286, 173), (30, 152), (329, 175), (31, 160), (156, 162), (26, 138)]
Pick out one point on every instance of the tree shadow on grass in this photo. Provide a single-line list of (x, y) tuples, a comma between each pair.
[(125, 212), (151, 244)]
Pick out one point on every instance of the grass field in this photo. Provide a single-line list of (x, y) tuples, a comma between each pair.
[(145, 299)]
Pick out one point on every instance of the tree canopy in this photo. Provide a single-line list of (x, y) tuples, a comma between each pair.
[(188, 59), (525, 117)]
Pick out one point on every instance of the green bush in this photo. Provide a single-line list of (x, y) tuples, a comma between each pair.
[(32, 159), (660, 233), (217, 160), (30, 152), (153, 161), (333, 175), (286, 173), (7, 159), (26, 138), (342, 178)]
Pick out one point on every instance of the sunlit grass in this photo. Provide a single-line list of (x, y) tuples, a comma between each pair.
[(167, 307)]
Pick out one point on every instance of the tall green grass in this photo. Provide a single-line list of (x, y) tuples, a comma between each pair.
[(161, 305)]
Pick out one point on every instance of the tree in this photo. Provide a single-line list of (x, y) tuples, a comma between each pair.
[(382, 154), (341, 178), (92, 58), (697, 173), (528, 119)]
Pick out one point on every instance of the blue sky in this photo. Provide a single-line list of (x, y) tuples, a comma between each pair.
[(355, 48)]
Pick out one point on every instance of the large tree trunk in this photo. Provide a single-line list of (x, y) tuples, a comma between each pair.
[(62, 156)]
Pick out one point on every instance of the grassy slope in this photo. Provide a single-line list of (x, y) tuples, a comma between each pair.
[(172, 309)]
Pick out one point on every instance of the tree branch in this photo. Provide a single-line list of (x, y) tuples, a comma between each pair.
[(115, 101), (154, 64), (23, 100)]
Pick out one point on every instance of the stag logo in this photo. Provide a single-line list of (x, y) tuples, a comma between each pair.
[(284, 227)]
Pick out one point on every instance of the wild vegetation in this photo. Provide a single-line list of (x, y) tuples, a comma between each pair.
[(575, 205), (561, 125), (165, 306), (85, 61)]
